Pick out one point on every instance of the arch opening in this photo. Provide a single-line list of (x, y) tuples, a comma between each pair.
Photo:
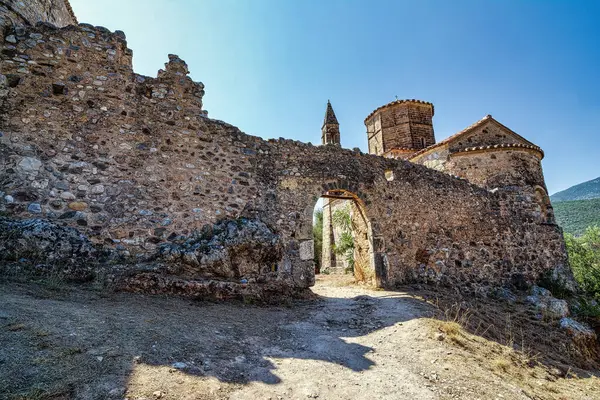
[(343, 237), (544, 206)]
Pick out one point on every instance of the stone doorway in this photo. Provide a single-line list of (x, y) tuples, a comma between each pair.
[(346, 237)]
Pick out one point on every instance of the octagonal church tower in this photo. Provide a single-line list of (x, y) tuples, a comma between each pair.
[(400, 128)]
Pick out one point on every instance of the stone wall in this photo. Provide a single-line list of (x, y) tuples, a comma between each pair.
[(30, 12), (494, 167), (434, 159), (488, 132), (135, 165)]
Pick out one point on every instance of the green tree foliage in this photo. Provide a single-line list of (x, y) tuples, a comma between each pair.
[(342, 219), (584, 257), (575, 216), (318, 237), (345, 246)]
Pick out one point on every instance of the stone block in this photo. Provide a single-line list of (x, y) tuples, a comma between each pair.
[(307, 250)]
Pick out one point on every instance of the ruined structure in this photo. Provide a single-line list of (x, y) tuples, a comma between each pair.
[(134, 164)]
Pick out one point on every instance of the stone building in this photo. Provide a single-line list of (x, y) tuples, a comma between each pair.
[(330, 131), (487, 154), (400, 128), (98, 161)]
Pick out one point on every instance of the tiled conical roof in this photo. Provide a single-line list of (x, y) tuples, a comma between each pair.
[(330, 115)]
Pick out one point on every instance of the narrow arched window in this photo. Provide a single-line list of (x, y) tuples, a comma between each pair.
[(544, 207)]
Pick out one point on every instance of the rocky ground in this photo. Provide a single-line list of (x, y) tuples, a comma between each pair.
[(348, 342)]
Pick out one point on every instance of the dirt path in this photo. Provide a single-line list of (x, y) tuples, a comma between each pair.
[(353, 343)]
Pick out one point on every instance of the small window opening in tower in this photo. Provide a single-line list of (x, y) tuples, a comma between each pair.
[(422, 143), (544, 206)]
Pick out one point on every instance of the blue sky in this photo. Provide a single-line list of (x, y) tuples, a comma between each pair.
[(270, 66)]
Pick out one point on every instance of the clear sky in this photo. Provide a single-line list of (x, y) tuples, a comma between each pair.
[(270, 66)]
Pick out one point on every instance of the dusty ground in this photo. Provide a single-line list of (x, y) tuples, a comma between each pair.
[(351, 343)]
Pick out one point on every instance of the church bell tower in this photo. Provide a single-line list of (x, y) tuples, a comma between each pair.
[(330, 131)]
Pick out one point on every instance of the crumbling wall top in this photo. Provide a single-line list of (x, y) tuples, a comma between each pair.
[(30, 12)]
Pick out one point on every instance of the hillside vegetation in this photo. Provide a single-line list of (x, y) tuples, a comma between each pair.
[(575, 216), (583, 191), (584, 257)]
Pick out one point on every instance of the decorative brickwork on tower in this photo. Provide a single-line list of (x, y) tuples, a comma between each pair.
[(401, 127)]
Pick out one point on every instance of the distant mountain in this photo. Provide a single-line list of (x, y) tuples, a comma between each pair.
[(575, 216), (583, 191)]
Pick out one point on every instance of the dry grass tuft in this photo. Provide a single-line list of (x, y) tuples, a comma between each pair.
[(450, 328), (16, 327), (501, 364)]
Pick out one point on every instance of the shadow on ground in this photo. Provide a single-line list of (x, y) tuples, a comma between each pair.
[(73, 343), (89, 341)]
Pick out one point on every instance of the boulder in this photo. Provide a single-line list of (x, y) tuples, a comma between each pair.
[(580, 332), (543, 301), (242, 248), (40, 246)]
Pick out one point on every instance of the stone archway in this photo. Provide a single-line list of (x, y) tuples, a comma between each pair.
[(302, 194), (342, 202)]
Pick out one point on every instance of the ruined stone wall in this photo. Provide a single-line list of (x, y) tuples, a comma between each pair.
[(434, 159), (30, 12), (364, 268), (425, 225), (134, 164)]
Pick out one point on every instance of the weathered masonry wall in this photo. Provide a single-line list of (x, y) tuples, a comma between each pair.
[(494, 168), (489, 167), (30, 12), (134, 164), (426, 225)]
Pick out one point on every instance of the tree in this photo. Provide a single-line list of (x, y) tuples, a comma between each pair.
[(584, 257), (342, 219)]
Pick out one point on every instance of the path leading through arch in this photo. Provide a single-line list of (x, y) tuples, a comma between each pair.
[(350, 342)]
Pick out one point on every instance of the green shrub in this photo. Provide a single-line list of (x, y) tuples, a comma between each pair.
[(587, 310), (584, 257)]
